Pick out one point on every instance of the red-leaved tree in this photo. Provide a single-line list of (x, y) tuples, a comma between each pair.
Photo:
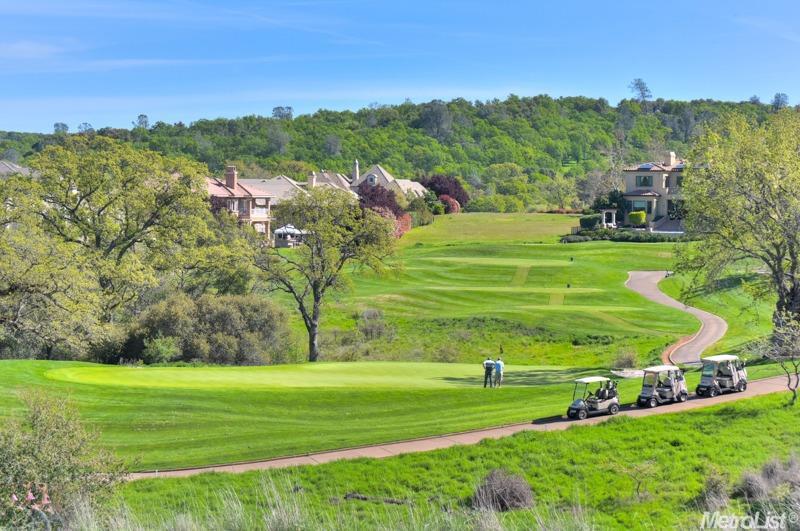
[(374, 197), (446, 185), (451, 206)]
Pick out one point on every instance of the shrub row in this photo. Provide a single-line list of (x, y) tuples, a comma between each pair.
[(623, 236)]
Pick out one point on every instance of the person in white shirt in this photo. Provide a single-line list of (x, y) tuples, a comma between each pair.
[(499, 367)]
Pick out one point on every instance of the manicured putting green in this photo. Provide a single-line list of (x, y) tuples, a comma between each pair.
[(361, 375)]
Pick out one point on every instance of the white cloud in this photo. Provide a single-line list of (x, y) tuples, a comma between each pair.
[(771, 27), (297, 17), (28, 50)]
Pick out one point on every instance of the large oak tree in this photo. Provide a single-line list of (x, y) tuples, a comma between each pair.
[(338, 233), (743, 201), (46, 286), (129, 210)]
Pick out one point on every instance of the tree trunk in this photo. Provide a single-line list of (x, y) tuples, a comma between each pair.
[(313, 347)]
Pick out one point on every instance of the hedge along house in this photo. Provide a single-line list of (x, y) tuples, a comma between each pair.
[(248, 202), (655, 188)]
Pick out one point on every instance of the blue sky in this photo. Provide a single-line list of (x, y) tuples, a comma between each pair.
[(104, 62)]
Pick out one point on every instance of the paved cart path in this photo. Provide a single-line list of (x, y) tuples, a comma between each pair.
[(685, 351), (689, 349)]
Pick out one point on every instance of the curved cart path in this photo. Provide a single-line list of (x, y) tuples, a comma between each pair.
[(687, 350)]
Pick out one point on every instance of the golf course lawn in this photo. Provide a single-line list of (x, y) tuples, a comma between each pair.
[(469, 284)]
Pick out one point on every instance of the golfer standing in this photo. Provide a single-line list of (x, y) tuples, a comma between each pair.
[(488, 369), (499, 366)]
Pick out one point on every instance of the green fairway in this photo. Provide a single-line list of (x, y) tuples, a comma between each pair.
[(328, 375), (460, 298)]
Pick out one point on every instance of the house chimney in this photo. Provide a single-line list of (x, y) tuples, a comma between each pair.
[(231, 176), (312, 182), (356, 173), (671, 159)]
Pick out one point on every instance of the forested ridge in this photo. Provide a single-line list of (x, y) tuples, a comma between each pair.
[(521, 153)]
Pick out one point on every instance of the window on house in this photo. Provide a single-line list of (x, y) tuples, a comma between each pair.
[(642, 206), (233, 205), (644, 180), (679, 180)]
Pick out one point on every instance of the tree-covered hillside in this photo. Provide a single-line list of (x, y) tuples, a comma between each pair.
[(521, 153)]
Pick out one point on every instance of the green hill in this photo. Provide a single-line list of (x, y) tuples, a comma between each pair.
[(511, 153)]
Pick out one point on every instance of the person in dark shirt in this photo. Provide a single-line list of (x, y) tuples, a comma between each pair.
[(488, 369)]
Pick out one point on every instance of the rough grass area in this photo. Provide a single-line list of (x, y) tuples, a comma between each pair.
[(626, 473)]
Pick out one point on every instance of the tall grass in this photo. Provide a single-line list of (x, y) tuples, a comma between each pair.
[(282, 506)]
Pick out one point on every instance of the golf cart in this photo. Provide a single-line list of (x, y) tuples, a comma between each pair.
[(720, 374), (662, 383), (585, 402)]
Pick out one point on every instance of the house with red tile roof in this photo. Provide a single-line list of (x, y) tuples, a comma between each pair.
[(655, 188), (249, 202)]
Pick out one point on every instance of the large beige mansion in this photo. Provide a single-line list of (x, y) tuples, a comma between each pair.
[(655, 188)]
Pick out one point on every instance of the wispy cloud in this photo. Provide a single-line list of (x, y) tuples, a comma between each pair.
[(771, 27), (24, 49), (65, 65), (290, 16)]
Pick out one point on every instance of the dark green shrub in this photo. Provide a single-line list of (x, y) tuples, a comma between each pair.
[(421, 217), (591, 221), (637, 219), (160, 350), (634, 236), (576, 238), (227, 329)]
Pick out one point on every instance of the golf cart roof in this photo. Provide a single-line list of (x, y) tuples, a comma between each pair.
[(662, 368), (591, 379), (721, 357)]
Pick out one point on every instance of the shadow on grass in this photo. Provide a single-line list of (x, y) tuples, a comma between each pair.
[(528, 378), (728, 283)]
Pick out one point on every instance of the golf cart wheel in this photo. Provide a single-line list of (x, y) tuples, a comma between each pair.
[(582, 414), (570, 414), (713, 392), (744, 386), (683, 397), (652, 402), (699, 391), (613, 409)]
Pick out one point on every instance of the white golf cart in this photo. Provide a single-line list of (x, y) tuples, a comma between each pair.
[(661, 384), (721, 374), (604, 399)]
